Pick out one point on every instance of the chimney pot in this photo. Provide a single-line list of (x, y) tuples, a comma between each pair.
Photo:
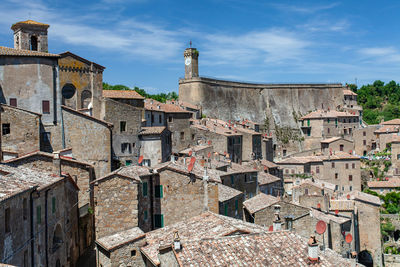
[(177, 241), (313, 249)]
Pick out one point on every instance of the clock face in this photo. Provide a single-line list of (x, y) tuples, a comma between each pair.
[(188, 61)]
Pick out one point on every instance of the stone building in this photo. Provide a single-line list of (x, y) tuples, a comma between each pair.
[(336, 144), (395, 150), (385, 134), (89, 138), (230, 201), (81, 83), (384, 187), (225, 140), (40, 218), (197, 151), (242, 178), (270, 184), (20, 130), (195, 109), (364, 208), (155, 145), (124, 109), (365, 140), (175, 118)]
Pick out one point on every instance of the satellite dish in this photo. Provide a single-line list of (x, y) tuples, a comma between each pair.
[(271, 228), (190, 153), (320, 228), (191, 164), (209, 155), (140, 160), (349, 238), (209, 142)]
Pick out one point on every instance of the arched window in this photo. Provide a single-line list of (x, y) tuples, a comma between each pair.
[(57, 238), (365, 258), (86, 98), (34, 43)]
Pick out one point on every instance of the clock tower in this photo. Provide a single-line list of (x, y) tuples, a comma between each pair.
[(191, 63)]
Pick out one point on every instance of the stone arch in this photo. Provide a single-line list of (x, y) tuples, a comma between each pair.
[(86, 98), (365, 153), (57, 238), (34, 43), (68, 93), (365, 258)]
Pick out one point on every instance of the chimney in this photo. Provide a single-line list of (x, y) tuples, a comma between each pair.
[(57, 162), (277, 223), (177, 241), (313, 249), (289, 222)]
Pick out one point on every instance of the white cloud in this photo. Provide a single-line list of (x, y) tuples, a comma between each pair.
[(381, 54), (304, 9)]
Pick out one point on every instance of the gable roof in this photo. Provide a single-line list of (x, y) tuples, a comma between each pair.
[(260, 202), (392, 122), (348, 92), (151, 104), (266, 178), (21, 109), (108, 124), (114, 241), (152, 130), (319, 114), (391, 183), (68, 53), (225, 193), (125, 94), (334, 139), (7, 51)]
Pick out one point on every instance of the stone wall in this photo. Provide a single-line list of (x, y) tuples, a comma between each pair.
[(123, 255), (391, 260), (244, 182), (182, 136), (116, 205), (228, 207), (343, 168), (24, 136), (364, 138)]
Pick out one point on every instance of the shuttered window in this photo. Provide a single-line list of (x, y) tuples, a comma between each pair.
[(159, 220), (158, 191), (45, 107), (144, 189), (13, 102)]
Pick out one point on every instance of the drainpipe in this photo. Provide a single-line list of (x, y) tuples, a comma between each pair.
[(55, 75), (32, 229), (46, 228)]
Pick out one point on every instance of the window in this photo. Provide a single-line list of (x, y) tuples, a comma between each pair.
[(146, 162), (236, 205), (336, 187), (133, 145), (292, 171), (159, 119), (144, 189), (170, 119), (7, 219), (329, 130), (333, 164), (146, 215), (286, 171), (152, 118), (25, 209), (133, 253), (192, 136), (350, 177), (306, 191), (126, 147), (13, 102), (347, 165), (308, 122), (46, 137), (226, 209), (122, 126), (350, 187), (353, 165), (38, 214), (6, 129), (53, 204), (232, 180), (317, 169), (284, 152), (398, 156), (364, 142), (336, 175), (341, 147), (128, 162), (364, 133), (182, 135), (158, 220), (45, 107), (33, 43), (158, 191)]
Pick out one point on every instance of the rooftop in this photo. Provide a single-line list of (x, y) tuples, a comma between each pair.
[(387, 129), (392, 122), (113, 241), (152, 130), (29, 22), (327, 114), (266, 178), (216, 128), (328, 217), (194, 149), (260, 202), (348, 92), (225, 193), (330, 140), (151, 104), (391, 183), (281, 248), (7, 51), (126, 94), (206, 225)]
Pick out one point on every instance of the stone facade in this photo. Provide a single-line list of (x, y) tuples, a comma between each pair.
[(30, 35), (365, 140), (81, 83), (20, 130), (244, 181), (155, 145), (336, 144)]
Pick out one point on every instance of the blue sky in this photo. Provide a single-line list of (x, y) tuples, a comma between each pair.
[(141, 42)]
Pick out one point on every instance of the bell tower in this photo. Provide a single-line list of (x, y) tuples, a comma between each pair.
[(191, 63), (30, 35)]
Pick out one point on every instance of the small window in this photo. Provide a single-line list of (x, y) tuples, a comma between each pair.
[(342, 146), (46, 137), (336, 187), (329, 130), (226, 209), (333, 164), (158, 220), (133, 145), (38, 214), (317, 169), (170, 119), (236, 204), (336, 175), (284, 152), (292, 171), (232, 180), (193, 136), (122, 126), (364, 142), (364, 133), (144, 189), (347, 165), (6, 129), (182, 135), (45, 107), (133, 253), (350, 177), (145, 215), (398, 156), (351, 188), (353, 165), (53, 204), (126, 148), (306, 191), (7, 220), (159, 119), (158, 191), (13, 102), (128, 162), (286, 171), (152, 118)]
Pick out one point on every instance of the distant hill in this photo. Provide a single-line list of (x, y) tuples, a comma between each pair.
[(379, 101)]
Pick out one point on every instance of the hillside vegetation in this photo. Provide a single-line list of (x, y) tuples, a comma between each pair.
[(379, 101), (161, 97)]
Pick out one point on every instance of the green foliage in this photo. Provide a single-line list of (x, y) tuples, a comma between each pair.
[(379, 101), (387, 228), (161, 97), (286, 134), (392, 201), (392, 250)]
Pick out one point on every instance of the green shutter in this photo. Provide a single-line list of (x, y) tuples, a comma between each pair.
[(146, 215), (53, 205), (158, 220), (236, 204), (144, 189), (161, 192), (39, 214), (308, 122), (162, 220), (226, 209), (158, 191)]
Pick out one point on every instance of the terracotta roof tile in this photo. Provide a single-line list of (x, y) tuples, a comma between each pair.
[(113, 241), (30, 22), (225, 193), (392, 122), (259, 202), (348, 92), (151, 104), (126, 94), (391, 183), (327, 114), (6, 51), (266, 178), (330, 140), (328, 217), (152, 130), (387, 129)]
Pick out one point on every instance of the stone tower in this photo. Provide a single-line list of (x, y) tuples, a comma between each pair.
[(30, 35), (191, 63)]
